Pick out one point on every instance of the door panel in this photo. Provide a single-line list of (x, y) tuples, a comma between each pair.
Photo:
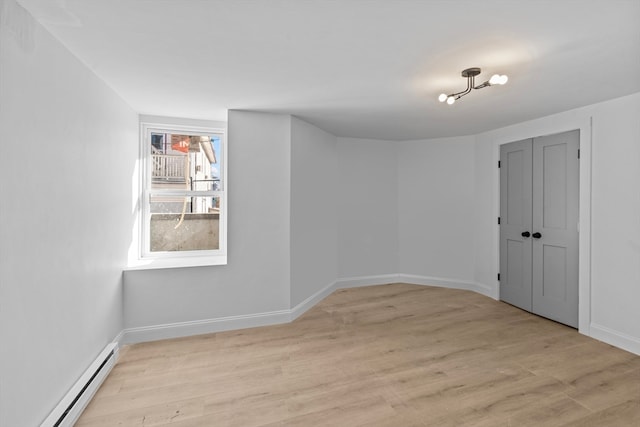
[(555, 216), (515, 218), (554, 272), (554, 186), (517, 210), (517, 273)]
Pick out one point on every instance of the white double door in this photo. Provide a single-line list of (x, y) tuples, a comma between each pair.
[(539, 202)]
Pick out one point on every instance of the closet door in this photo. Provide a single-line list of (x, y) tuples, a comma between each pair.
[(555, 218), (515, 223), (539, 198)]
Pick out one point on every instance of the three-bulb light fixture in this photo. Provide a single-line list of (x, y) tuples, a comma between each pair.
[(470, 74)]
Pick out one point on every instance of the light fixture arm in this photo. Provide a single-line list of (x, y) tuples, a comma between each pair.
[(470, 82), (485, 84), (470, 74)]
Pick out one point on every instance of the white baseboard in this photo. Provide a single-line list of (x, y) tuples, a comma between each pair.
[(206, 326), (182, 329), (307, 304), (446, 283), (615, 338), (342, 283), (412, 279), (358, 281), (119, 339)]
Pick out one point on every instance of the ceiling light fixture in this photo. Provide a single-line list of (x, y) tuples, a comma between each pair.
[(470, 74)]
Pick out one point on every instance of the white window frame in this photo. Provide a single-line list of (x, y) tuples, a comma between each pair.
[(170, 259)]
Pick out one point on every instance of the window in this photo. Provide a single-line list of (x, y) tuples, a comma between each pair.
[(183, 203)]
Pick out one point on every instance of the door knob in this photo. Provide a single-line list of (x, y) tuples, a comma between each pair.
[(536, 235), (525, 234)]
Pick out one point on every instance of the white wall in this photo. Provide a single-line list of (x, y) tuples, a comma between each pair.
[(615, 268), (314, 184), (485, 218), (257, 277), (366, 203), (69, 150), (610, 212), (435, 208)]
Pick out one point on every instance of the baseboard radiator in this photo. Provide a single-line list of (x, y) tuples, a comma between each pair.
[(67, 412)]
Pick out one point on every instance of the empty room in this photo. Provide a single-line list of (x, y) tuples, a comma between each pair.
[(319, 213)]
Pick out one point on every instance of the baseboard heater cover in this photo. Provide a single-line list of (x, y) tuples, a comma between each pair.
[(67, 412)]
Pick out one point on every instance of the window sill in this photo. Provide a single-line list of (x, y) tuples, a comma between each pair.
[(195, 261)]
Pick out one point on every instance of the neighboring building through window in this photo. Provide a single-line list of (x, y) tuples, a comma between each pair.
[(183, 200)]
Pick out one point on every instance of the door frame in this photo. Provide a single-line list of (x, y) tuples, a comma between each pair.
[(544, 127)]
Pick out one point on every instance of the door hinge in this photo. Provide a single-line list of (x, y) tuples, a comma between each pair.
[(578, 153), (498, 277), (498, 164), (498, 220)]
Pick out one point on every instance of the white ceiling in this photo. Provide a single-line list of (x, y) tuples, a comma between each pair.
[(359, 68)]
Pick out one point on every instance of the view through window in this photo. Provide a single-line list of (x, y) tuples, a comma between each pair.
[(184, 192)]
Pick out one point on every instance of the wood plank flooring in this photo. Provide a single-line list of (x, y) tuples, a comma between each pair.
[(388, 356)]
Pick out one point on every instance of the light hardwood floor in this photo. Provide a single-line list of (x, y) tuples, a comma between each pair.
[(390, 356)]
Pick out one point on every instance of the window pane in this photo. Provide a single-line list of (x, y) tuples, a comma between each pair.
[(184, 223), (185, 162)]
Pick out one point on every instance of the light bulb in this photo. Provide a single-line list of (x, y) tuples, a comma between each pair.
[(451, 100), (495, 79), (498, 79), (442, 97)]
